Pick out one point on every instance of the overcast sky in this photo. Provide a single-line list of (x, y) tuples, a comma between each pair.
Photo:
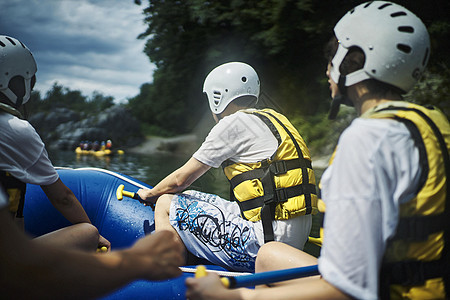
[(86, 45)]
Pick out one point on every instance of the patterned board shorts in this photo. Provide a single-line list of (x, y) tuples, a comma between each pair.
[(212, 228)]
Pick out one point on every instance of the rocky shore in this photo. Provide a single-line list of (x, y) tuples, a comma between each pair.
[(64, 129)]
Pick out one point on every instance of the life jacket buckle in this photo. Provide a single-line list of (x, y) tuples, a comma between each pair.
[(278, 167), (268, 199), (282, 195), (265, 164)]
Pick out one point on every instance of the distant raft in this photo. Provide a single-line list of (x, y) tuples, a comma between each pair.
[(106, 152), (121, 222)]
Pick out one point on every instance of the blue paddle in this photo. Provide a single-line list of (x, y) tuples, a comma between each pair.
[(263, 277)]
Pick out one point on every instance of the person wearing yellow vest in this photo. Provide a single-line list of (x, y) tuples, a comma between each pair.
[(24, 159), (386, 226), (268, 165)]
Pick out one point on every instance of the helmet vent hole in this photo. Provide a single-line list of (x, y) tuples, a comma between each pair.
[(244, 79), (374, 71), (217, 96), (407, 29), (11, 41), (398, 14), (404, 48), (384, 6), (367, 5), (2, 44)]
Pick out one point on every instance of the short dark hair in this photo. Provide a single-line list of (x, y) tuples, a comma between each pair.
[(353, 61), (246, 101)]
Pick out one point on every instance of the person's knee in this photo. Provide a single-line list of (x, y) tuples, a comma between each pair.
[(89, 232), (163, 203), (265, 256), (276, 255)]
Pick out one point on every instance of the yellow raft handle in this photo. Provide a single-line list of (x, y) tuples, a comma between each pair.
[(120, 192), (201, 272)]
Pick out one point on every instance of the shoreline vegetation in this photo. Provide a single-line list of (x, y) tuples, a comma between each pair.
[(187, 144)]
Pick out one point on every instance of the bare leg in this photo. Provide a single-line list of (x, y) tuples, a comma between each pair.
[(83, 236), (278, 256), (162, 222), (162, 211)]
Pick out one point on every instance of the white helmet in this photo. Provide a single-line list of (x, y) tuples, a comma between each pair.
[(229, 81), (395, 42), (15, 60)]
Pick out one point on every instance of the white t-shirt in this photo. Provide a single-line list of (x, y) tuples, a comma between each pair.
[(243, 137), (240, 137), (376, 168), (22, 152)]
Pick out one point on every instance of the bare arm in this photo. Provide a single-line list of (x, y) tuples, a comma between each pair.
[(177, 181), (63, 199), (34, 270)]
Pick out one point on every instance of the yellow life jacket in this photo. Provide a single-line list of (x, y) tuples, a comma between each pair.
[(16, 192), (13, 187), (417, 257), (416, 263), (278, 188)]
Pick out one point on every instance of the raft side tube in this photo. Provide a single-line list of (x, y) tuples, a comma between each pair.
[(121, 222)]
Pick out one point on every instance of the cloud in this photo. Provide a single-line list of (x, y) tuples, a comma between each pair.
[(84, 45)]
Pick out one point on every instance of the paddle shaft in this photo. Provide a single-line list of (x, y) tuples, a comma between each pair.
[(272, 276), (263, 277)]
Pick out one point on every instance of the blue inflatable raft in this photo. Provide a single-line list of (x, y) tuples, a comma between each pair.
[(121, 222)]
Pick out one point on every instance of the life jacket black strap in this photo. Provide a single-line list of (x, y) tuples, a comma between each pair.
[(276, 167), (418, 142), (269, 124), (413, 272), (418, 228), (266, 219), (280, 195)]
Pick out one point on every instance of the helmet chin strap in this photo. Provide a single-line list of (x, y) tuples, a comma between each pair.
[(334, 108), (340, 98)]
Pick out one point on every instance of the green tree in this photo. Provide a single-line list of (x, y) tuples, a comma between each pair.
[(98, 102), (283, 40), (59, 96)]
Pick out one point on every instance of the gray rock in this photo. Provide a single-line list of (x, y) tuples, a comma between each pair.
[(64, 129)]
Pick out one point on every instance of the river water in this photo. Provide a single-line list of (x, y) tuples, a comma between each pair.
[(146, 168)]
